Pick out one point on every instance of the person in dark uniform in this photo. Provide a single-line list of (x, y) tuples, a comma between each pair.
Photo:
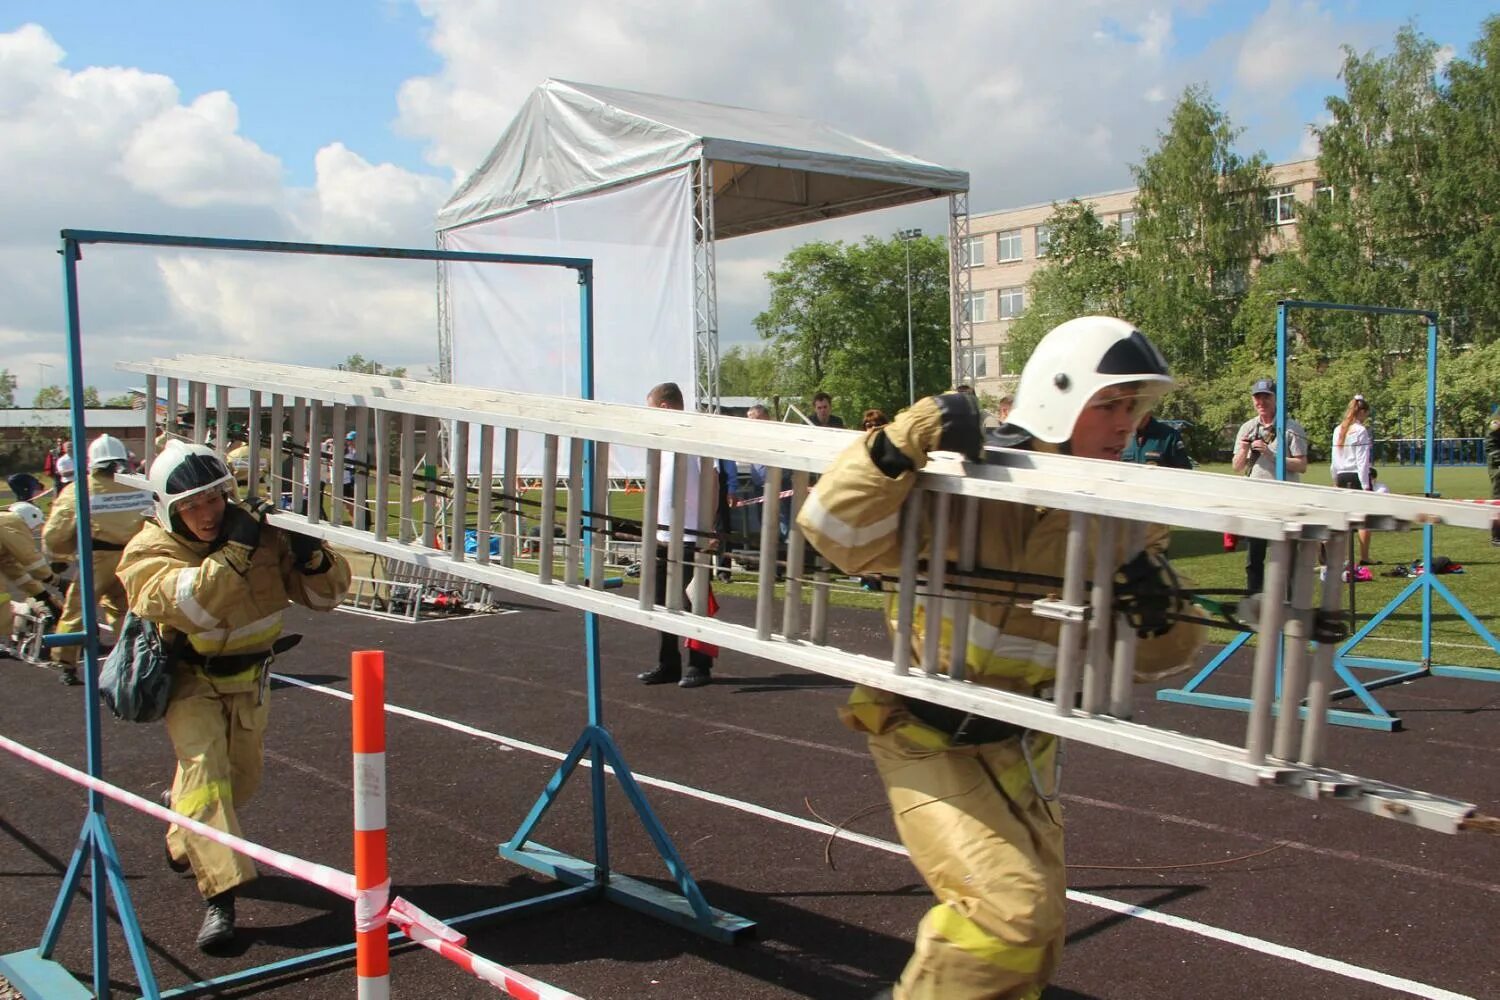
[(1492, 453), (1156, 443)]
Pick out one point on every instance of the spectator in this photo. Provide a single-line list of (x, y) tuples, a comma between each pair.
[(668, 669), (973, 798), (1255, 456), (49, 464), (1353, 449), (116, 513), (63, 468), (1492, 449), (1157, 443), (1003, 410), (873, 419), (758, 485), (823, 412), (216, 578)]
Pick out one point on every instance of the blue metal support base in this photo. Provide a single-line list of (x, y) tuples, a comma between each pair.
[(687, 908)]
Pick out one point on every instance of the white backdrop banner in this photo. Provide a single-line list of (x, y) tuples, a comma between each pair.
[(518, 327)]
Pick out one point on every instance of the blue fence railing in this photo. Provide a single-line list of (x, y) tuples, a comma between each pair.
[(1446, 451)]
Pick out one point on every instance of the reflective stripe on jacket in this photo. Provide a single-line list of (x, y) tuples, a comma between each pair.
[(22, 568), (853, 518), (115, 515), (186, 586)]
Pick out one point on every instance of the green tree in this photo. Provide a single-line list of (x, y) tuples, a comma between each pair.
[(757, 371), (1199, 227), (358, 363), (7, 388), (1466, 193), (1086, 273), (122, 400), (55, 397), (837, 321)]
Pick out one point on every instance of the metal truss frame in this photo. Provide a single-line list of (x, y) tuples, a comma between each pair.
[(1375, 715), (705, 289), (960, 284)]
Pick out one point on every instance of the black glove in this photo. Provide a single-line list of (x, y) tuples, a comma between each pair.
[(240, 526), (260, 507), (963, 424), (59, 568), (303, 547), (52, 604), (1146, 594)]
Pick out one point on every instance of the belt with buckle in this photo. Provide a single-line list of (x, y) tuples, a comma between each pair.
[(962, 728)]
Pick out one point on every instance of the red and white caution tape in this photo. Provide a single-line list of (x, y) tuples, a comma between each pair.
[(434, 934), (370, 908), (337, 882)]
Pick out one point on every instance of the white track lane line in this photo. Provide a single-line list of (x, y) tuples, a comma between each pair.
[(1258, 945)]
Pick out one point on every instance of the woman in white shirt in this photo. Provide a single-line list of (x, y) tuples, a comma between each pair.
[(1352, 450)]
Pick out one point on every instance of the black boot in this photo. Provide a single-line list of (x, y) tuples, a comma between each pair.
[(661, 675), (218, 922), (68, 674), (695, 677)]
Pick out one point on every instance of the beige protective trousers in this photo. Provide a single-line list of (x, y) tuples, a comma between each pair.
[(109, 600), (991, 850), (217, 737)]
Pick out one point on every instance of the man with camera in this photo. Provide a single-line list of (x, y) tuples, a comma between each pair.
[(1255, 457)]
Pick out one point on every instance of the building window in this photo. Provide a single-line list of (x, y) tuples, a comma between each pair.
[(1043, 240), (1127, 227), (1012, 302), (972, 251), (1281, 207), (1322, 192), (974, 306), (1010, 245), (975, 362)]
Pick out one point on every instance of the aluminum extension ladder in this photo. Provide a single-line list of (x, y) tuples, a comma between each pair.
[(1094, 687)]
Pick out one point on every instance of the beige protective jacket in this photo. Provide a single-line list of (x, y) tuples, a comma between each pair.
[(853, 518), (188, 587), (115, 515), (22, 568)]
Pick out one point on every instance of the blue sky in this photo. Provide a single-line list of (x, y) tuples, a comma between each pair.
[(344, 121)]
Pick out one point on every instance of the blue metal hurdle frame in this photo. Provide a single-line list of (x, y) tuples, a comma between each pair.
[(1376, 716), (37, 975)]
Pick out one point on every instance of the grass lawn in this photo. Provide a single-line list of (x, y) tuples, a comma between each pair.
[(1201, 557)]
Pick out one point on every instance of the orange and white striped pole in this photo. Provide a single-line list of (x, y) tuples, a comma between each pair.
[(371, 867)]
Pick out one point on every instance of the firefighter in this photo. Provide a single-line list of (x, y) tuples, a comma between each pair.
[(974, 799), (216, 578), (23, 570), (115, 515)]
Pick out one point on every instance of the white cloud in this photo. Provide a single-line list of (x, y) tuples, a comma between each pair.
[(119, 148), (1291, 42), (191, 157)]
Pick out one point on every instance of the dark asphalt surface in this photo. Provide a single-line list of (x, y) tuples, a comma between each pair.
[(1335, 887)]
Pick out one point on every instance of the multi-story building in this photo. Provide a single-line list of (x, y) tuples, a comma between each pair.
[(1006, 248)]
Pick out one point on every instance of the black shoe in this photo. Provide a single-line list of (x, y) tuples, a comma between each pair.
[(695, 678), (661, 675), (218, 922), (180, 867), (68, 676)]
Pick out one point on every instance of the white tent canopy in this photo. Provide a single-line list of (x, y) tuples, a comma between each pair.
[(769, 170), (645, 186)]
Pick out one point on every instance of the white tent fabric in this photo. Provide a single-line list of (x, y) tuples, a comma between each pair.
[(770, 170), (518, 327)]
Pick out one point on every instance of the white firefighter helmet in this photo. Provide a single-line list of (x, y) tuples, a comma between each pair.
[(185, 470), (30, 513), (1076, 360), (106, 449)]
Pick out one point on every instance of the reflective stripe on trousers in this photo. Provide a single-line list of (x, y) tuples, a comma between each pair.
[(217, 737), (991, 850)]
